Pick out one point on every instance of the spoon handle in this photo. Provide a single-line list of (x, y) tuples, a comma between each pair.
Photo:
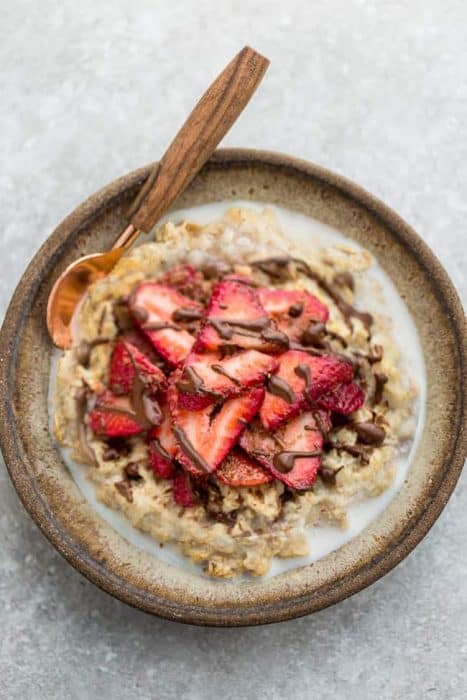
[(208, 123)]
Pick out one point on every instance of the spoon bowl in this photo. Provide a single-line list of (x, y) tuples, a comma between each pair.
[(193, 145)]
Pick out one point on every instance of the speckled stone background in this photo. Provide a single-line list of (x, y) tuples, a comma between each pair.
[(376, 90)]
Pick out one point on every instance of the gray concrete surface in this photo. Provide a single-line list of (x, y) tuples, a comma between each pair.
[(374, 90)]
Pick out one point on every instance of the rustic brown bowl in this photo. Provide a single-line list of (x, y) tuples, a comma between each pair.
[(54, 501)]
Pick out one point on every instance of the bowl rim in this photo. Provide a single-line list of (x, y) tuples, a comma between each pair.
[(50, 252)]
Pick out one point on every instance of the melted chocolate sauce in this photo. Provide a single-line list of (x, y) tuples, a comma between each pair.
[(296, 310), (139, 313), (161, 451), (275, 336), (125, 489), (347, 310), (220, 370), (189, 450), (344, 279), (380, 381), (186, 314), (354, 450), (160, 325), (314, 334), (279, 387), (284, 461), (304, 372), (191, 383), (81, 408), (84, 349), (370, 433)]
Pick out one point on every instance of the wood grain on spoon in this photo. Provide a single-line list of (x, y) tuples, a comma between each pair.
[(208, 123)]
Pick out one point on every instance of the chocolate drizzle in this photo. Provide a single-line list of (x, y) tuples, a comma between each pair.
[(146, 408), (160, 325), (328, 475), (189, 450), (279, 387), (370, 433), (314, 335), (304, 372), (270, 267), (191, 383), (160, 449), (81, 408), (296, 310), (220, 370), (380, 381), (284, 461), (84, 349), (354, 450), (186, 313), (139, 313), (273, 335)]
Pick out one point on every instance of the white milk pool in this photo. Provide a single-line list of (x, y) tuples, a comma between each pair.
[(379, 294)]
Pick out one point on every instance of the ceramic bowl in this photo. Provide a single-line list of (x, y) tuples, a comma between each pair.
[(136, 577)]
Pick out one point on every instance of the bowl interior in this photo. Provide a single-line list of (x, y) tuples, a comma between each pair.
[(52, 497)]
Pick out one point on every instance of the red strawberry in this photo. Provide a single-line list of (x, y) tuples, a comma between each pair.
[(152, 306), (163, 446), (204, 440), (113, 416), (238, 469), (186, 279), (182, 492), (125, 362), (326, 372), (276, 452), (292, 310), (236, 317), (344, 399), (222, 378)]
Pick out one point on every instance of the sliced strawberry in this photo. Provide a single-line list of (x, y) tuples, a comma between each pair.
[(182, 492), (113, 416), (344, 399), (186, 279), (205, 439), (284, 454), (239, 469), (139, 340), (162, 446), (152, 306), (208, 377), (125, 362), (326, 372), (236, 317), (292, 310)]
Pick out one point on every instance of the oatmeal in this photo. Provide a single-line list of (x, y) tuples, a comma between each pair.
[(227, 392)]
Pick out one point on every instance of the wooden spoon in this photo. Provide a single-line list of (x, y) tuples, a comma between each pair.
[(208, 123)]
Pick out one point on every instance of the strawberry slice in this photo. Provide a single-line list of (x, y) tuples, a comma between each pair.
[(344, 399), (289, 454), (125, 362), (162, 446), (325, 371), (236, 317), (113, 416), (292, 310), (152, 306), (182, 492), (239, 469), (186, 279), (207, 378), (205, 439)]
